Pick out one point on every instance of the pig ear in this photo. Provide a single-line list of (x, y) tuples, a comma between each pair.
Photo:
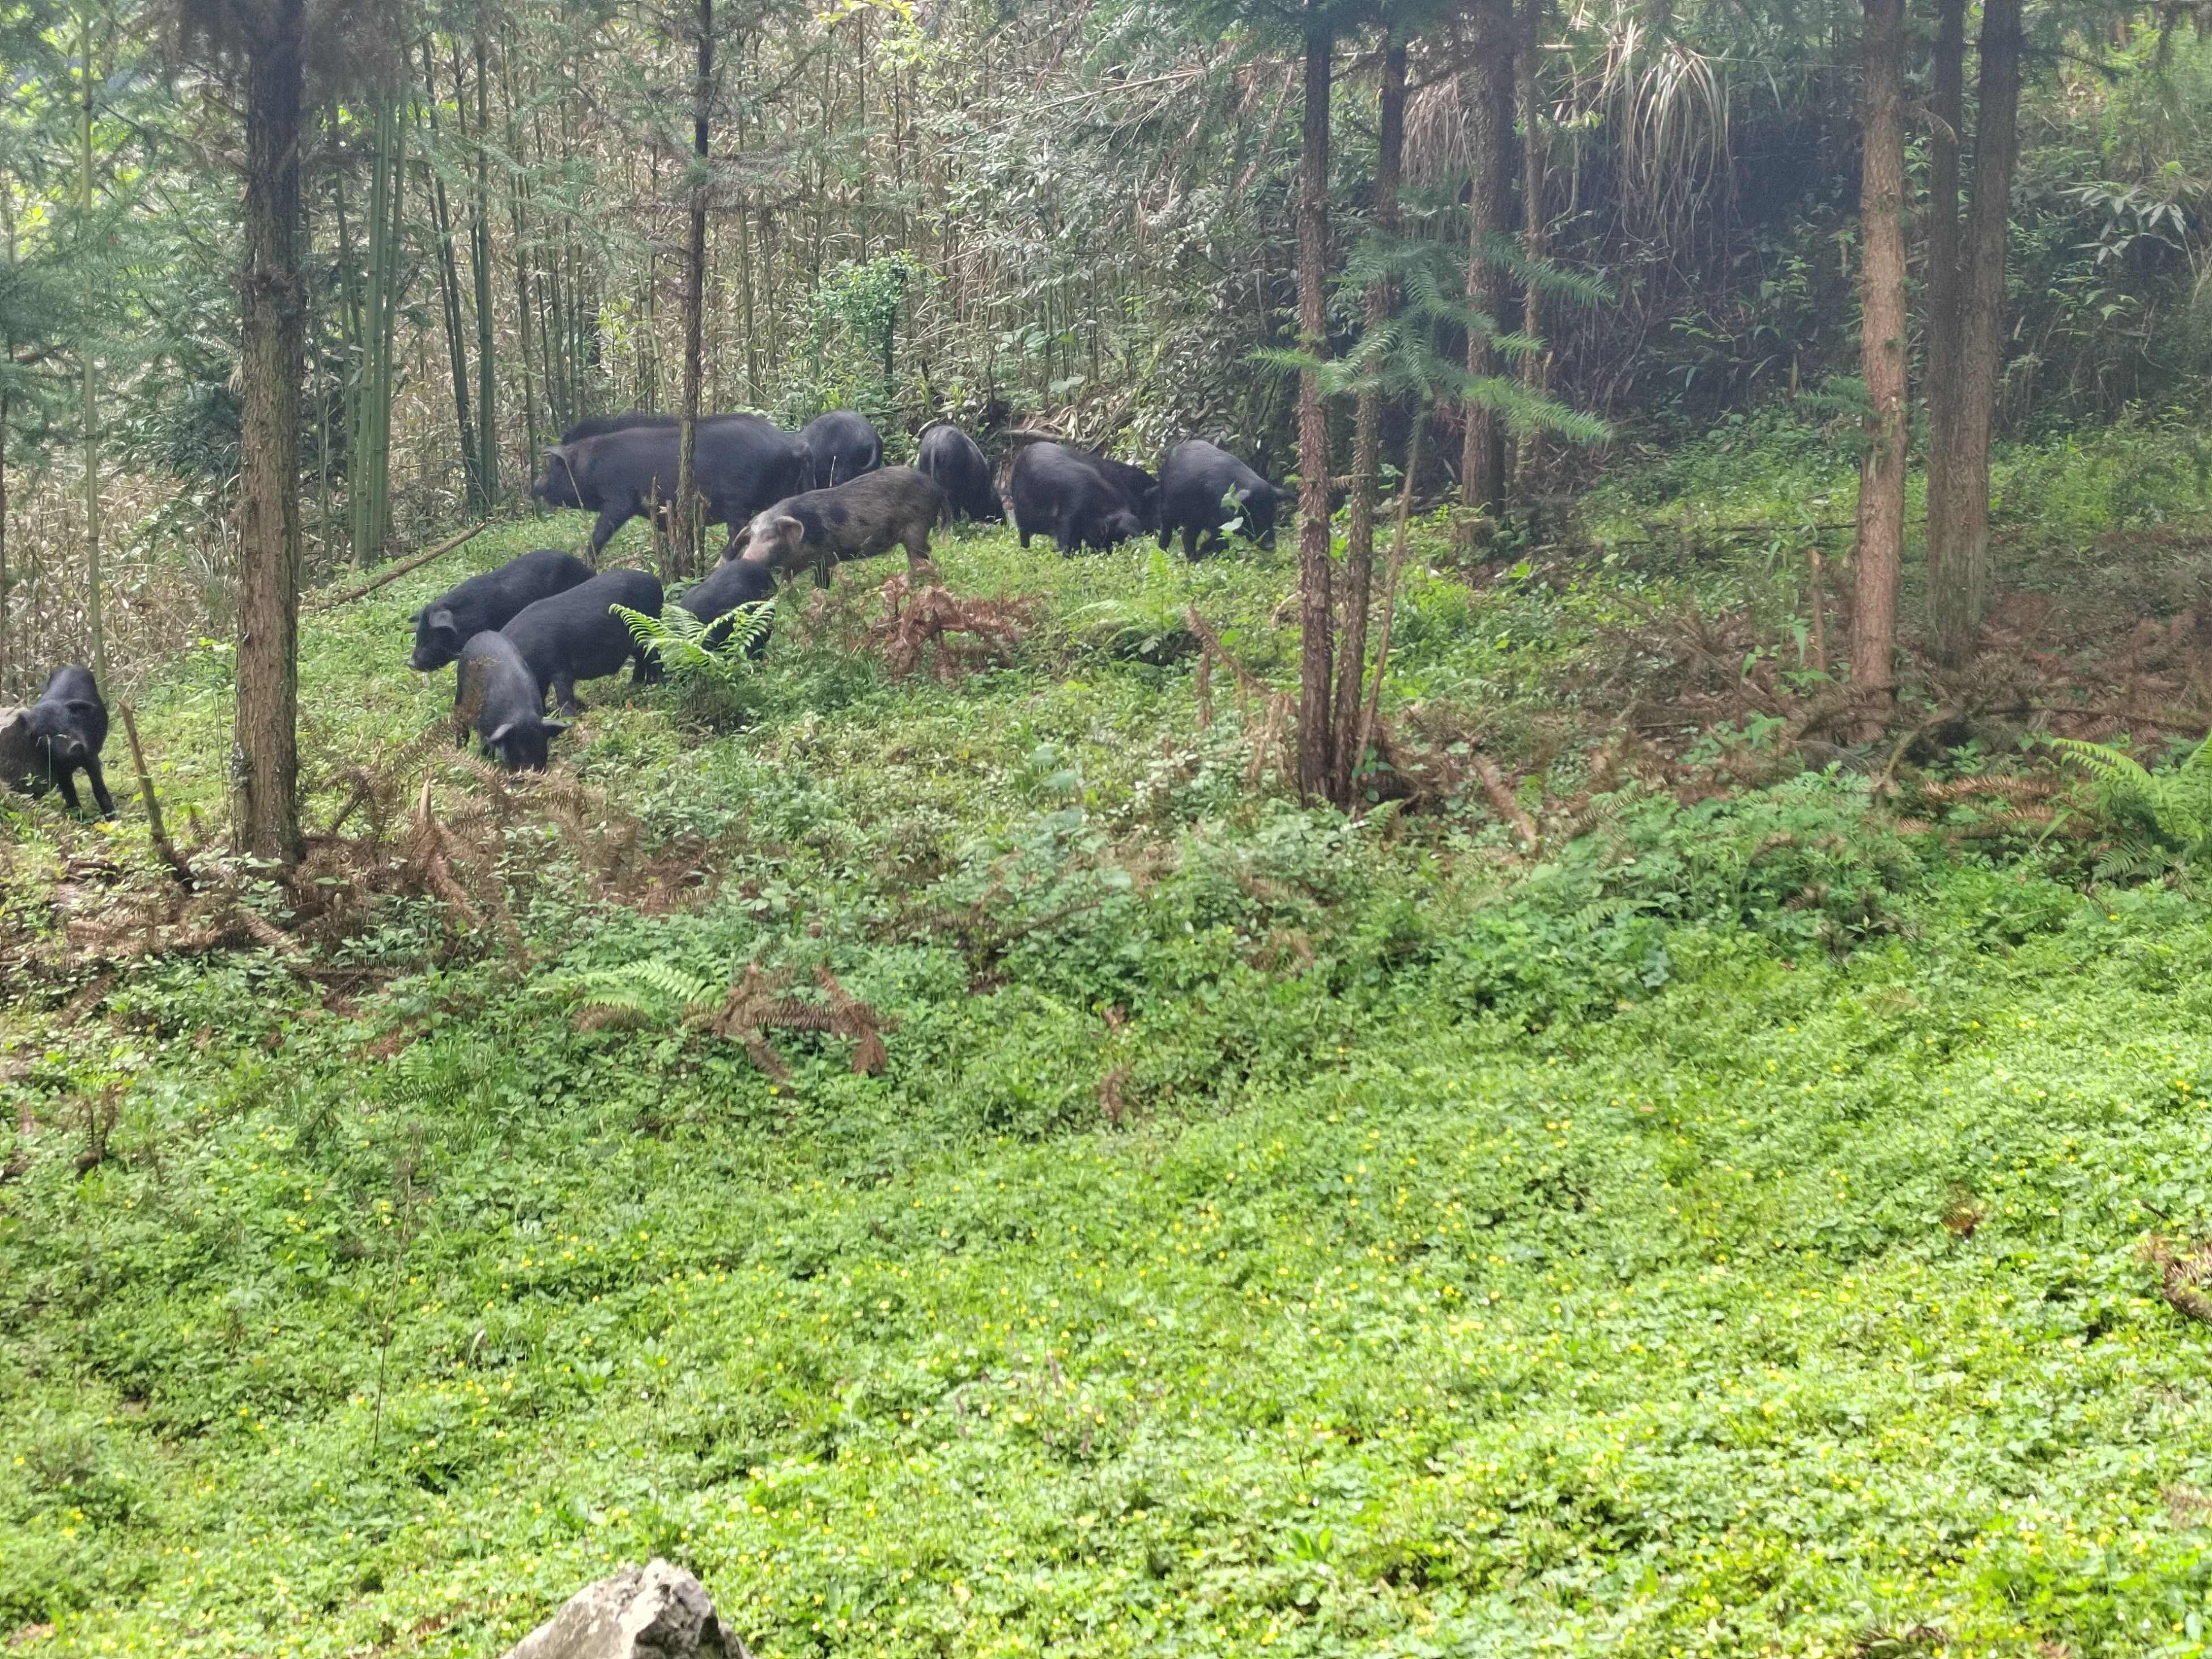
[(442, 620), (1244, 495), (498, 735), (554, 728), (789, 529)]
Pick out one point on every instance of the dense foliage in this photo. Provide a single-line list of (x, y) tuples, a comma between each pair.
[(1595, 1054), (1716, 1233)]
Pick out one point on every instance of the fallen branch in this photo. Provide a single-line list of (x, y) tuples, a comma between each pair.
[(1886, 784), (1502, 801), (400, 570), (1248, 681), (159, 836)]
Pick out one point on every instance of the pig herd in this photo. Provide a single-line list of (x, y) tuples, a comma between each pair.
[(623, 466), (792, 502)]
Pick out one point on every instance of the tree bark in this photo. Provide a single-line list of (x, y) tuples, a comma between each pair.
[(695, 297), (7, 350), (1315, 619), (1490, 211), (96, 610), (1536, 367), (480, 262), (525, 313), (449, 285), (1958, 466), (264, 754), (1881, 286), (1942, 288), (7, 675), (1367, 438), (368, 473)]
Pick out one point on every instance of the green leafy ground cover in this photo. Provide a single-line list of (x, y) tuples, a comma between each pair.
[(1718, 1235)]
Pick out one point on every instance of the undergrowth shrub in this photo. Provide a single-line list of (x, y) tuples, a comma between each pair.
[(2162, 819), (711, 664)]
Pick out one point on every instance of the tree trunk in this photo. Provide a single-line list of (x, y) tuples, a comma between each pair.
[(1489, 207), (524, 313), (695, 295), (94, 608), (1959, 471), (1315, 617), (369, 472), (1536, 367), (480, 261), (8, 349), (375, 317), (1881, 284), (1941, 289), (353, 337), (264, 755), (1367, 440), (7, 665), (395, 296), (449, 286)]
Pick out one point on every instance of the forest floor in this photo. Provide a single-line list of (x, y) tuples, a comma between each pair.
[(1718, 1228)]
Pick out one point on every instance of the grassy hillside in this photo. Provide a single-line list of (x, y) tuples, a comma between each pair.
[(1717, 1234)]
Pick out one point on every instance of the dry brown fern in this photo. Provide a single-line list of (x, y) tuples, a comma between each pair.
[(757, 1005), (2183, 1273), (955, 636)]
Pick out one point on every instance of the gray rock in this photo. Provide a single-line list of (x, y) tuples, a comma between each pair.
[(651, 1612)]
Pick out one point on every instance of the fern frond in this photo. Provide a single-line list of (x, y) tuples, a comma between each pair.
[(652, 988), (2104, 763)]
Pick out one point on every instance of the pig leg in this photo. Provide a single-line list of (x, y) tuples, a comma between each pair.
[(62, 782), (916, 542), (98, 780), (612, 517), (1190, 543), (564, 694)]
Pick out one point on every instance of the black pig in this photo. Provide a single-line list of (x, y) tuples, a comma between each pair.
[(732, 583), (59, 736), (597, 426), (574, 636), (494, 690), (742, 463), (1138, 487), (1061, 493), (841, 446), (490, 601), (949, 459), (876, 511), (1196, 479)]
